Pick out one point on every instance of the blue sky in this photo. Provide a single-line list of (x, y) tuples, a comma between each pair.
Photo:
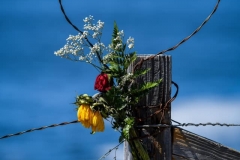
[(37, 88)]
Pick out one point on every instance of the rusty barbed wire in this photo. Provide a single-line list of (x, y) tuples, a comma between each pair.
[(37, 129)]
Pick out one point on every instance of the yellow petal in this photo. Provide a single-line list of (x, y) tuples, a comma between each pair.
[(86, 124), (79, 113), (83, 112), (94, 119), (88, 118), (101, 126), (88, 113), (99, 122)]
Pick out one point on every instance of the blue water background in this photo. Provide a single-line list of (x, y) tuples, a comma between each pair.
[(37, 88)]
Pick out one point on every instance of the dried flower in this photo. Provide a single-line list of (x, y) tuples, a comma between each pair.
[(97, 122), (89, 118)]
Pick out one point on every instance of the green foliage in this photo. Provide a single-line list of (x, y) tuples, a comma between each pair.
[(118, 60), (125, 92), (115, 35), (129, 121), (83, 99)]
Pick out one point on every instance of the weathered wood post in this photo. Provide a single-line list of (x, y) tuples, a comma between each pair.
[(152, 109)]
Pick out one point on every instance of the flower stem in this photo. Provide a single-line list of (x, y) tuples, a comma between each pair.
[(137, 150)]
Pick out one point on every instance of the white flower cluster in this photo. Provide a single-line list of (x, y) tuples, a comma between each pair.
[(74, 49), (73, 46), (77, 45), (130, 42), (97, 29), (119, 38), (126, 79)]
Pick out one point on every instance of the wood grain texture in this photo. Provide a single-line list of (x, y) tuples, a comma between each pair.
[(157, 141), (187, 145), (169, 143)]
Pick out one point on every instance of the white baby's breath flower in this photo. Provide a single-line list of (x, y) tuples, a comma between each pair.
[(106, 58), (130, 46), (95, 34), (82, 58), (118, 46), (130, 42), (85, 34), (95, 28), (120, 33), (77, 45), (118, 38), (88, 19), (100, 24), (74, 48), (97, 48)]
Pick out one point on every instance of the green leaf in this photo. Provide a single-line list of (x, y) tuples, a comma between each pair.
[(143, 89), (129, 58), (114, 35), (129, 122), (114, 67), (140, 72)]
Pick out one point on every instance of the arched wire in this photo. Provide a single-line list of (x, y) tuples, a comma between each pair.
[(138, 65), (194, 32)]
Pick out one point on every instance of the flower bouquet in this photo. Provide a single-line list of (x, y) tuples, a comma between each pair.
[(118, 90)]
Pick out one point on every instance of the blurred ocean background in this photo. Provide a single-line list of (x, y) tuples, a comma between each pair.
[(37, 88)]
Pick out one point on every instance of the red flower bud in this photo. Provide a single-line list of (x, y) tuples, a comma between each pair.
[(103, 82)]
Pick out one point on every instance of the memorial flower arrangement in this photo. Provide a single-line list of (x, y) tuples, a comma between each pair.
[(118, 92)]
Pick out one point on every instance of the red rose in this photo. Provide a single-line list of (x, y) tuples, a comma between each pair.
[(103, 82)]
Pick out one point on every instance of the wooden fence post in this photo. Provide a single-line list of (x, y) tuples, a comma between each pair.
[(152, 110)]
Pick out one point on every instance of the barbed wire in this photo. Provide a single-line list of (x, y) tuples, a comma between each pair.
[(188, 125), (139, 64), (194, 32), (139, 126), (37, 129), (114, 148)]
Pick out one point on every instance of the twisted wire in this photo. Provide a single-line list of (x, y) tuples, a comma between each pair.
[(139, 126), (37, 129), (114, 148), (194, 32), (138, 65), (188, 125), (66, 17)]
